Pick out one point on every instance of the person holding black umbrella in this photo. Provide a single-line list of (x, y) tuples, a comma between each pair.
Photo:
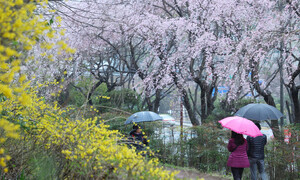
[(256, 155), (137, 134)]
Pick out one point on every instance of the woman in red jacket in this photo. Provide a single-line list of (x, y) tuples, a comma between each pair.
[(238, 159)]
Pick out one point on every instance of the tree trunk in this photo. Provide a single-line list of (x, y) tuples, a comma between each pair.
[(157, 100), (289, 112), (64, 97), (209, 102), (186, 102), (203, 105), (255, 82), (90, 93), (295, 99), (188, 107), (207, 99), (154, 105), (268, 98), (149, 103)]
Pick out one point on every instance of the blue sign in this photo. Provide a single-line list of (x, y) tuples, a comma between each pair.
[(249, 95), (221, 90)]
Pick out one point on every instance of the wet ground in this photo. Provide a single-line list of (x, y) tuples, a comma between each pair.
[(194, 174)]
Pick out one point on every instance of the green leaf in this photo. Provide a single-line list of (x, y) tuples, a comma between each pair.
[(51, 21), (15, 43)]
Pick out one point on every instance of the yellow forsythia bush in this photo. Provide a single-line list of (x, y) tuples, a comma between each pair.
[(90, 150), (94, 151), (19, 30)]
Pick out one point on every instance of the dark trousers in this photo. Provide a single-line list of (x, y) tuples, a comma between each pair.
[(237, 173)]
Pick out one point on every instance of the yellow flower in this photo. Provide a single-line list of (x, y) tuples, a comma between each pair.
[(18, 2), (25, 99), (51, 34), (22, 78), (8, 157), (9, 36), (18, 23), (6, 91), (2, 162)]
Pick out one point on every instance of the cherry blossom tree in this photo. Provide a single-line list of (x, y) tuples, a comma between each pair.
[(103, 38), (289, 49), (169, 43), (274, 45), (202, 42)]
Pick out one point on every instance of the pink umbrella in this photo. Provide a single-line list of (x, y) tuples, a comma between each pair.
[(241, 125)]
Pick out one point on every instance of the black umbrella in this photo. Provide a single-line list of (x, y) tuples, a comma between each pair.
[(143, 116), (259, 112)]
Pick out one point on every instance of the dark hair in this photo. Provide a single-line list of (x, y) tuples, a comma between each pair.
[(137, 126), (238, 138), (258, 125)]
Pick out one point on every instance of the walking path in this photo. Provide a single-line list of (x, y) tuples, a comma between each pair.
[(196, 175)]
